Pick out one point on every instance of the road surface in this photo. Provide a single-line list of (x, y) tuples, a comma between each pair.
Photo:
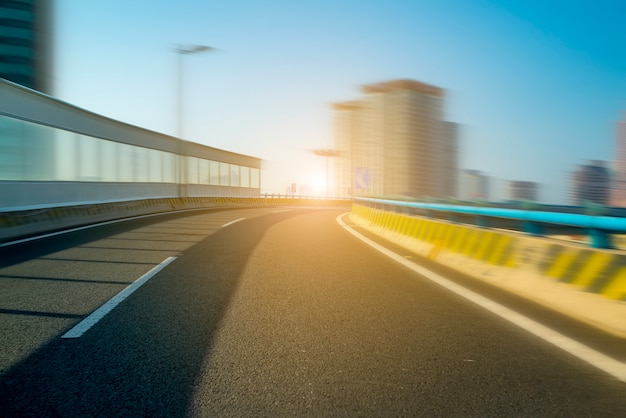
[(270, 312)]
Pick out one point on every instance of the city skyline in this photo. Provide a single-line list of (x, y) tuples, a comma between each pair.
[(533, 102)]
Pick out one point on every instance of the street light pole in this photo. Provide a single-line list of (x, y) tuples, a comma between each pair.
[(184, 50), (182, 165)]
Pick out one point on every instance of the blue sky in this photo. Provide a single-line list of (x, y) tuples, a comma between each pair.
[(537, 85)]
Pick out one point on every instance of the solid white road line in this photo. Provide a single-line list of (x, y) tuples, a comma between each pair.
[(232, 222), (601, 361), (84, 325)]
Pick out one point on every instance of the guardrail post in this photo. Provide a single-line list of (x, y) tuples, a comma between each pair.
[(530, 227), (600, 238), (533, 228)]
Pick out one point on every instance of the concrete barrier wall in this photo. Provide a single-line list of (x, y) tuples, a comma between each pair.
[(19, 224), (586, 283)]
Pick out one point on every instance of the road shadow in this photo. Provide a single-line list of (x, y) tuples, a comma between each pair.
[(18, 253), (144, 358)]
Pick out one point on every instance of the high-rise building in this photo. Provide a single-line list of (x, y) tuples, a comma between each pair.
[(618, 189), (352, 157), (26, 43), (450, 159), (393, 142), (522, 190), (475, 185), (591, 183)]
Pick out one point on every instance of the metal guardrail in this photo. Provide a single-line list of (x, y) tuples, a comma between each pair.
[(599, 228)]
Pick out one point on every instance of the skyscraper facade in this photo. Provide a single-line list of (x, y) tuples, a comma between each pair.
[(618, 189), (351, 177), (393, 142), (26, 43), (450, 159), (523, 190), (475, 186), (591, 183)]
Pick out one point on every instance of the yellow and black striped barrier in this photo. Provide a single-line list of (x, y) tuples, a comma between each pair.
[(596, 271)]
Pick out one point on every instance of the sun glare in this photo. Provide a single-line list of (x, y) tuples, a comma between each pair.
[(318, 185)]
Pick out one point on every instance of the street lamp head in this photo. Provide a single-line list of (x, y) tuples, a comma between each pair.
[(194, 49), (326, 152)]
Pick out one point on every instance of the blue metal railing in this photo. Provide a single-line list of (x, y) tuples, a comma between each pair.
[(599, 228)]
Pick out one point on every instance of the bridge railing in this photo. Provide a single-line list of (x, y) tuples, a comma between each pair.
[(533, 222)]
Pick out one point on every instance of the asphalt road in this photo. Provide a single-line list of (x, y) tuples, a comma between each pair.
[(282, 313)]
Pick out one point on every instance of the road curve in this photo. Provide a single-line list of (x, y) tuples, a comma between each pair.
[(281, 313)]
